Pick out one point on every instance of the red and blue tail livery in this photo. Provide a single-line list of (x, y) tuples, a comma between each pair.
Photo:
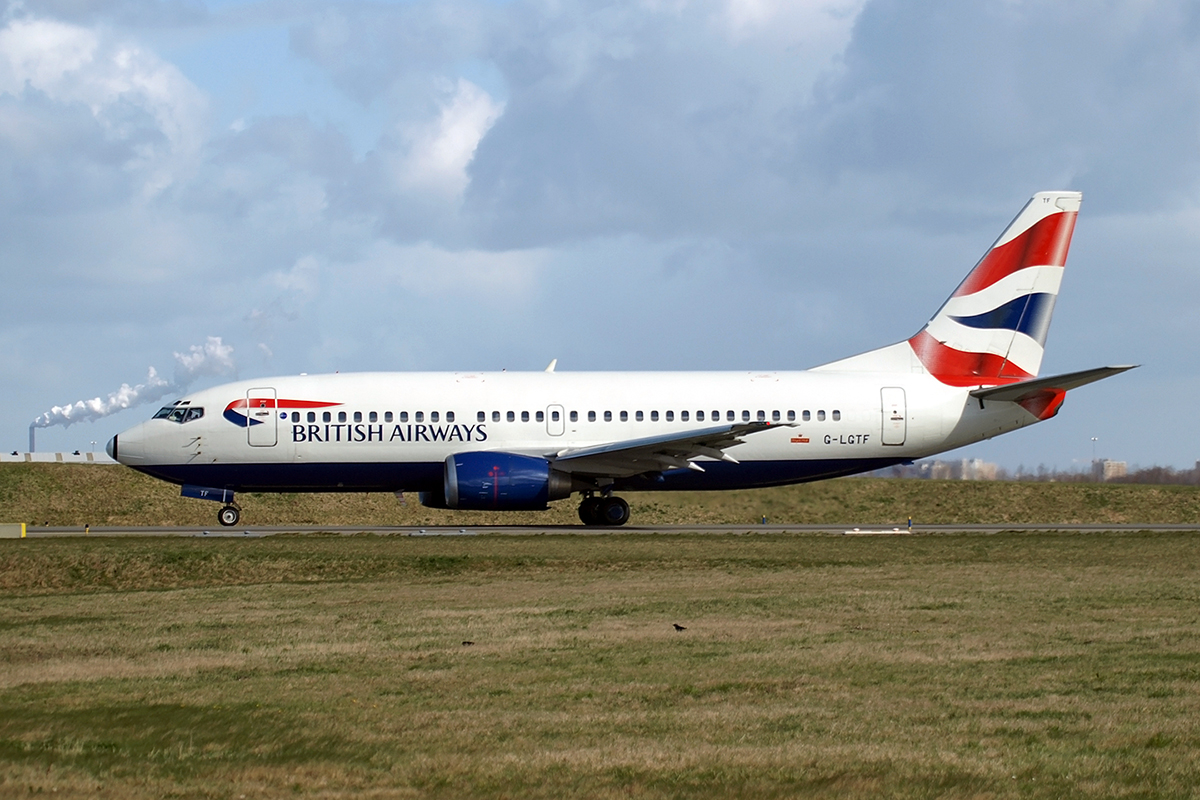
[(993, 328), (507, 441)]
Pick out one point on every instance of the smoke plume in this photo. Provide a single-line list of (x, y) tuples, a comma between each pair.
[(211, 358)]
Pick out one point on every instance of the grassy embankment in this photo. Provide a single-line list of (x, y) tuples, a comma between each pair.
[(1036, 665), (105, 495)]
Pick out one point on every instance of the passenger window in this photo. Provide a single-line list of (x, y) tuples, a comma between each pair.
[(699, 416), (554, 415), (511, 416), (670, 416), (639, 416), (624, 416), (326, 417), (433, 416), (358, 416), (387, 416), (608, 416), (419, 416), (837, 415), (730, 416), (683, 416), (762, 415), (404, 416), (373, 417), (449, 416), (791, 416), (821, 415), (745, 415), (295, 416), (591, 416), (312, 416), (807, 415), (524, 416), (540, 416), (574, 416), (495, 416), (775, 416), (481, 416), (654, 416)]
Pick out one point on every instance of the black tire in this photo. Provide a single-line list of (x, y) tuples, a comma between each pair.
[(613, 511), (228, 516), (589, 511)]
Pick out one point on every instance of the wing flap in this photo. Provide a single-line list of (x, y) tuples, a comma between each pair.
[(657, 453)]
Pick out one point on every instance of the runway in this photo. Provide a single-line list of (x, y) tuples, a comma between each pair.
[(242, 532)]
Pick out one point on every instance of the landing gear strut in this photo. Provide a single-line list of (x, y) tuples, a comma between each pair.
[(610, 511), (229, 516)]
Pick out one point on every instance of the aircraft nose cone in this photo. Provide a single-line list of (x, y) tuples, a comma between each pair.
[(128, 447)]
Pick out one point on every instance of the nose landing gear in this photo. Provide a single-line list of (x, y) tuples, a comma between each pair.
[(229, 516), (609, 511)]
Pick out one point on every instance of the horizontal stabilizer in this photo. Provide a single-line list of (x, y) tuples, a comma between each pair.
[(1016, 392)]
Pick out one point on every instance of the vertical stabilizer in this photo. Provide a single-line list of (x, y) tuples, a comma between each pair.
[(993, 328)]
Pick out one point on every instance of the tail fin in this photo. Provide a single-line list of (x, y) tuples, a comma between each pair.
[(993, 328)]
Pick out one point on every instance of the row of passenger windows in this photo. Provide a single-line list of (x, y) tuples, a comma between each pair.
[(555, 416), (373, 416)]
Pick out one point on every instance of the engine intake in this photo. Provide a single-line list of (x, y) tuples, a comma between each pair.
[(483, 481)]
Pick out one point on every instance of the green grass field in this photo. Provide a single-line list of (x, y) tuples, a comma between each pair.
[(1015, 665), (72, 494)]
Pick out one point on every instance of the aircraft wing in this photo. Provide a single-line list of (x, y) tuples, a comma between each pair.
[(656, 453), (1016, 392)]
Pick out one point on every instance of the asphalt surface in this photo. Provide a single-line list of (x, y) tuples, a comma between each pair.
[(241, 532)]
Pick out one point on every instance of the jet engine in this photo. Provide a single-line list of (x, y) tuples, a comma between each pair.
[(484, 481)]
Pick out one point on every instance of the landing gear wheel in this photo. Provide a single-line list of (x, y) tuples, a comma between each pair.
[(613, 511), (589, 511), (229, 516)]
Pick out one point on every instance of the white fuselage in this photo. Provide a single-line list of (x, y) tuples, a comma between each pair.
[(393, 431)]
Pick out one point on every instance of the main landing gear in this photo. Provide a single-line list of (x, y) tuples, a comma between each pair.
[(610, 511), (229, 516)]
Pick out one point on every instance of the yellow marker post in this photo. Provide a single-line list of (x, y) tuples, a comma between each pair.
[(15, 530)]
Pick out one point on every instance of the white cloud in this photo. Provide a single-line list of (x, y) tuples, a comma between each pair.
[(135, 97), (439, 150), (430, 271)]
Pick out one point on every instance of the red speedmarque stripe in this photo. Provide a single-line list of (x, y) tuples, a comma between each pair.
[(959, 368), (1044, 244)]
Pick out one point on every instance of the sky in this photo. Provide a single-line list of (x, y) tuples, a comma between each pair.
[(193, 192)]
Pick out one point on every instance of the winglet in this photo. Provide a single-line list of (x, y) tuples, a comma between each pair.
[(552, 365)]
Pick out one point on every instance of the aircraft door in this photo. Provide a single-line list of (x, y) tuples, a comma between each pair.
[(261, 420), (895, 415), (556, 422)]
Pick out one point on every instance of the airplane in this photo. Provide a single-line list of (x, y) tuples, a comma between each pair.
[(519, 440)]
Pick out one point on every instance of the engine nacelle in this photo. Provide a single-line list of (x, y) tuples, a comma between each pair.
[(483, 481)]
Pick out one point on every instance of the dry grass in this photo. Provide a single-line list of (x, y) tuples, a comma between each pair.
[(73, 494), (939, 666)]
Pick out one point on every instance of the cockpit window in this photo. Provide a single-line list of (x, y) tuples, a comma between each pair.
[(180, 414)]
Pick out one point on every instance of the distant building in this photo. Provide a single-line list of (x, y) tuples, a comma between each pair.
[(56, 458), (968, 469), (1113, 469)]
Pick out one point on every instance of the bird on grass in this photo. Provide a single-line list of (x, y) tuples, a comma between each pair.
[(678, 627)]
